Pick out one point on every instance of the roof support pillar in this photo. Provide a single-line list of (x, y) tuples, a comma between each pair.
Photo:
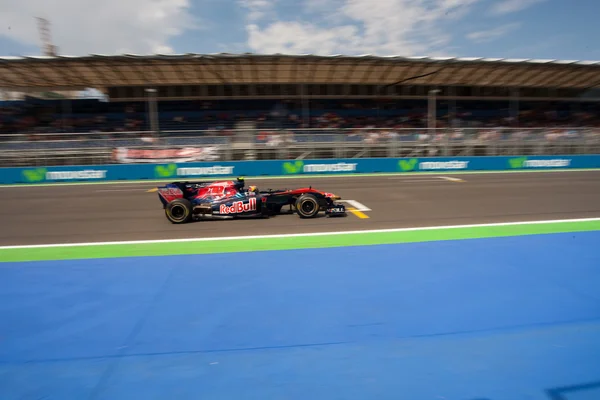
[(514, 106), (432, 114), (153, 111)]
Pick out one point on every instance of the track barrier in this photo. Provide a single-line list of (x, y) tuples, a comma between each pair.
[(196, 170)]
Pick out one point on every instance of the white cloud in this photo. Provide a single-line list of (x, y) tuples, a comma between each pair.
[(297, 38), (81, 27), (511, 6), (491, 34), (381, 27), (319, 5), (258, 9)]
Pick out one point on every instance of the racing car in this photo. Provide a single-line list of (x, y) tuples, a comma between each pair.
[(186, 201)]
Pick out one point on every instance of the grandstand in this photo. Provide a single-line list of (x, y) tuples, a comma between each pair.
[(337, 106)]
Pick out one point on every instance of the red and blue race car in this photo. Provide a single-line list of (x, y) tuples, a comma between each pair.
[(186, 201)]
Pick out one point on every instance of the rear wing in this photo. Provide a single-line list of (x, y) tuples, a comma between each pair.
[(170, 192)]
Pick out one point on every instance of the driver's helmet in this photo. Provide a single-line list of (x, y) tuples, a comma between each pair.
[(252, 189)]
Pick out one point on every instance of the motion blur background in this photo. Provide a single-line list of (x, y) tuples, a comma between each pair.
[(500, 78), (504, 306)]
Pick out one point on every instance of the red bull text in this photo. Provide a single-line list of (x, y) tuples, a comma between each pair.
[(238, 207)]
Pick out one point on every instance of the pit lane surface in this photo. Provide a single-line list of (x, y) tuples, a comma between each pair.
[(114, 212)]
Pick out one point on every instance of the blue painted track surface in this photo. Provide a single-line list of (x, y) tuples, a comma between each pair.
[(488, 319)]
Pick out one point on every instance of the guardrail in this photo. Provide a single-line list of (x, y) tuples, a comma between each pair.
[(202, 170), (237, 145)]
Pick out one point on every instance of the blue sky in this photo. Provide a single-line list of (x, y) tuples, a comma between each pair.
[(548, 29)]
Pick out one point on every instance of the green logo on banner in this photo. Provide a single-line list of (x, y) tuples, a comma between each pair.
[(516, 163), (35, 175), (292, 168), (408, 165), (165, 171)]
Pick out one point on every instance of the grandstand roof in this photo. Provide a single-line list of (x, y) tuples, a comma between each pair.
[(99, 71)]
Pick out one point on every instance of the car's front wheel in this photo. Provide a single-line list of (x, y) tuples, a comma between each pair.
[(307, 206)]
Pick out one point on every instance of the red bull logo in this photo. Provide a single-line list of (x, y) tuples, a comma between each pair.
[(238, 207)]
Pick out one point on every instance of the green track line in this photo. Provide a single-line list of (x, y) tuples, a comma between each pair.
[(288, 243)]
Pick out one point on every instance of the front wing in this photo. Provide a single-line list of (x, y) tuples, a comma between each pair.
[(336, 210)]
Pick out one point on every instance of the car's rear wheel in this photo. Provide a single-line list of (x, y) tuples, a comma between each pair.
[(307, 206), (179, 211)]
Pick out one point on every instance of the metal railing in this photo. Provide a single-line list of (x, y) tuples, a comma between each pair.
[(233, 145)]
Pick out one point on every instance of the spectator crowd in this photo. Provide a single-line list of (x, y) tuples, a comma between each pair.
[(79, 116)]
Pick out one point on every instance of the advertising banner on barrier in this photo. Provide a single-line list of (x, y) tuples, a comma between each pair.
[(202, 170), (497, 163), (126, 155)]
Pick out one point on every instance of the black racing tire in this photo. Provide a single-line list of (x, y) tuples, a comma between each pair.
[(179, 211), (307, 206)]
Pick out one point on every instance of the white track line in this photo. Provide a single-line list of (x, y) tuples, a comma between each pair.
[(293, 235), (451, 179), (357, 206), (403, 180), (264, 178)]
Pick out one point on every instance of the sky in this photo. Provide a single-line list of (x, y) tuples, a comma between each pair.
[(537, 29)]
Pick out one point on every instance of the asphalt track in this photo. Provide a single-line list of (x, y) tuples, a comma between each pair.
[(127, 211)]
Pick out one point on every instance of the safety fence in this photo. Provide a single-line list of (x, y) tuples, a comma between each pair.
[(203, 170), (238, 145)]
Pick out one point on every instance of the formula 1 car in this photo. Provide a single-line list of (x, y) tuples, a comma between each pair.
[(186, 201)]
